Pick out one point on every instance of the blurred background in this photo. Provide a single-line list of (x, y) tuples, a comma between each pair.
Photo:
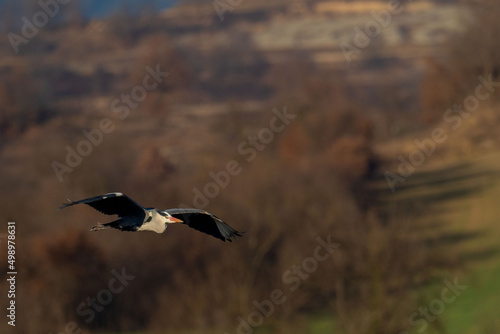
[(391, 150)]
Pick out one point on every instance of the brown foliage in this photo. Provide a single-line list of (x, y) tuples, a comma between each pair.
[(17, 112), (296, 190), (440, 89), (349, 157), (471, 53), (60, 273)]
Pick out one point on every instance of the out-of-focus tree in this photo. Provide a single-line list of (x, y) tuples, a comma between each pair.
[(60, 274), (471, 53), (22, 102), (438, 91), (158, 52), (475, 50)]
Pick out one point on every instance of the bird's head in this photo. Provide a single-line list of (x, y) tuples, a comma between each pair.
[(169, 219)]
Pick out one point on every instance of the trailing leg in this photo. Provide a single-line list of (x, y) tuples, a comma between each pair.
[(113, 224)]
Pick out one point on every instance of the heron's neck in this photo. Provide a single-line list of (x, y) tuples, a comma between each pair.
[(154, 222)]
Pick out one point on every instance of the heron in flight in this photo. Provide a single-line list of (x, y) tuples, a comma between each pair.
[(133, 217)]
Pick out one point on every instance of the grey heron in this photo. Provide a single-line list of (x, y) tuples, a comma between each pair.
[(133, 217)]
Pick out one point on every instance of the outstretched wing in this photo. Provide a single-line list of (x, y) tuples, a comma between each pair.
[(111, 204), (205, 222)]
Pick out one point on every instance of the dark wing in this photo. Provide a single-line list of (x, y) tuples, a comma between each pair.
[(205, 222), (111, 204)]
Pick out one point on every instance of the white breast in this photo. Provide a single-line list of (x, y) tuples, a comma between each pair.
[(155, 224)]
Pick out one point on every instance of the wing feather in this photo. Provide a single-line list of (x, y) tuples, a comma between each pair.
[(206, 222), (111, 204)]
